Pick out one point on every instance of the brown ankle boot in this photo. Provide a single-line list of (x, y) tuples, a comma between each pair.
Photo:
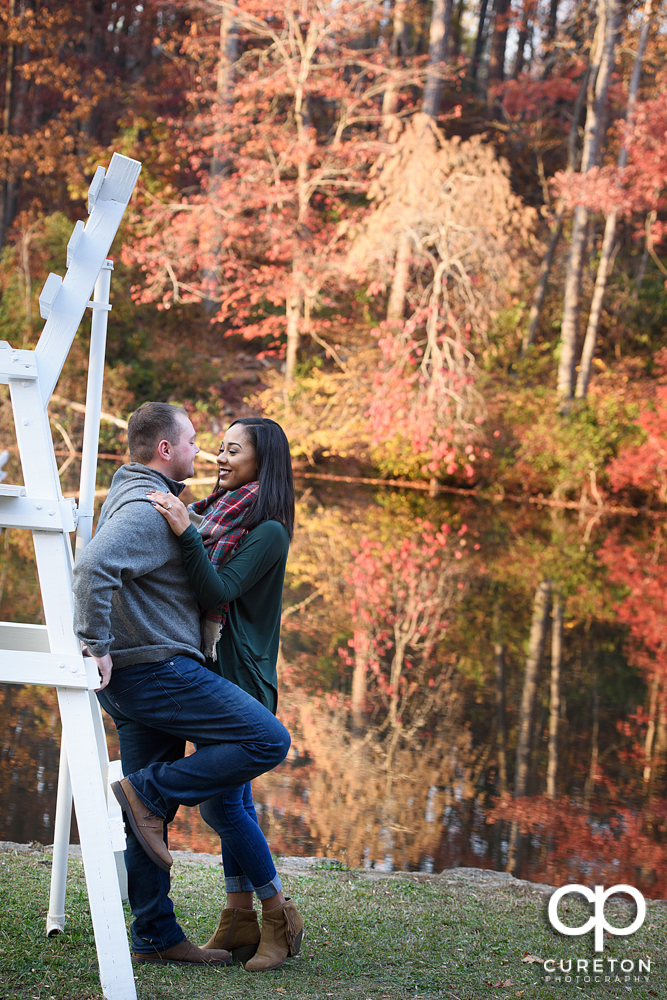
[(282, 933), (237, 932)]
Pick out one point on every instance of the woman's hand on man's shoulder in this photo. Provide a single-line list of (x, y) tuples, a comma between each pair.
[(172, 509)]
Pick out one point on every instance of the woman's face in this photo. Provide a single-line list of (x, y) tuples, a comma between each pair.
[(237, 464)]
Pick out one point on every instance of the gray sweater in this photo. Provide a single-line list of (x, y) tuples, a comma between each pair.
[(132, 596)]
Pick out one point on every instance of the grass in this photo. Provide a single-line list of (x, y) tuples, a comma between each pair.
[(367, 937)]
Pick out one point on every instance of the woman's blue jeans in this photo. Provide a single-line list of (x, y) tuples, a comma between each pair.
[(232, 815), (157, 707)]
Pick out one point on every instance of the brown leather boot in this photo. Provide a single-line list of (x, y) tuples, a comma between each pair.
[(282, 933), (238, 932), (146, 826), (183, 953)]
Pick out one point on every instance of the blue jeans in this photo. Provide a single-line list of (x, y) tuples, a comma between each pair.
[(232, 815), (157, 707)]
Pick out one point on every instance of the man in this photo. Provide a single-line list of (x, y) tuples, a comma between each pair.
[(139, 618)]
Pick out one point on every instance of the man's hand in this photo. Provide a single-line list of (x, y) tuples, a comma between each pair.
[(104, 666)]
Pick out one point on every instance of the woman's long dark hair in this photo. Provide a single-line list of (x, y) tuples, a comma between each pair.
[(275, 498)]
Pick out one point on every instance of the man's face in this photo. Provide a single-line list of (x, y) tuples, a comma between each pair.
[(184, 451)]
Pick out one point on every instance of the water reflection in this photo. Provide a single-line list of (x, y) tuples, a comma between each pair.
[(412, 630), (29, 750)]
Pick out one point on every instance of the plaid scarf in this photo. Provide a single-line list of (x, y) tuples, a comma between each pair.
[(223, 512)]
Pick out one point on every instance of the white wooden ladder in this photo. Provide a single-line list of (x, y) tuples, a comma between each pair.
[(51, 654)]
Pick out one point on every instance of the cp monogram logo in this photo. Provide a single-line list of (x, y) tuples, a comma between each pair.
[(598, 920)]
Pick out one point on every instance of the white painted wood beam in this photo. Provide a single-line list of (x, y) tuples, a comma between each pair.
[(16, 635), (47, 669), (38, 513), (88, 249)]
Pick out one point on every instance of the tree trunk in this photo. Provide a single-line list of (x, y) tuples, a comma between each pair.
[(437, 54), (3, 573), (589, 787), (400, 42), (523, 38), (359, 677), (438, 46), (227, 56), (641, 270), (604, 268), (602, 67), (295, 301), (556, 226), (659, 746), (543, 281), (399, 49), (399, 287), (549, 49), (538, 631), (479, 41), (27, 284), (650, 733), (456, 36), (501, 738), (395, 677), (7, 184), (553, 20), (499, 41), (293, 308), (95, 54), (569, 326), (554, 703), (220, 162)]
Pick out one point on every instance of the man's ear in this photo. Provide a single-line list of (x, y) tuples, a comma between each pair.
[(163, 450)]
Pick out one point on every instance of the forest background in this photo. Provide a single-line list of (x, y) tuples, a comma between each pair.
[(425, 236)]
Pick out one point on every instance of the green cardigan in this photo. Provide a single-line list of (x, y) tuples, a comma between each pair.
[(251, 582)]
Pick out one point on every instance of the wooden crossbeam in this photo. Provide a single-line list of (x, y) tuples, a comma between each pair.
[(16, 635), (47, 669), (37, 513)]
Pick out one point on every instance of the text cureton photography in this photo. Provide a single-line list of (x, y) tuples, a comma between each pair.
[(600, 969), (597, 970)]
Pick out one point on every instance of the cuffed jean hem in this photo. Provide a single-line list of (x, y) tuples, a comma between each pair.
[(238, 883), (241, 883)]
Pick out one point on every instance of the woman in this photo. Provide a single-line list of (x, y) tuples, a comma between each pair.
[(235, 559)]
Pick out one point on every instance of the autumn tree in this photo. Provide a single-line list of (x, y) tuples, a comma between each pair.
[(609, 237), (401, 599), (558, 213), (66, 70), (634, 187), (603, 60), (296, 127), (427, 195)]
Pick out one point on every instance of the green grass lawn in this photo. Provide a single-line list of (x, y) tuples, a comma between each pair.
[(381, 937)]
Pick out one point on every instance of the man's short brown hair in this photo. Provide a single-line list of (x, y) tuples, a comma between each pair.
[(150, 424)]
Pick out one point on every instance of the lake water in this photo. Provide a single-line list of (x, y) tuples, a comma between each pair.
[(403, 668)]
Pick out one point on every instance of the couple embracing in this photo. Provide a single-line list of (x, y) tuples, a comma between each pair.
[(180, 607)]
